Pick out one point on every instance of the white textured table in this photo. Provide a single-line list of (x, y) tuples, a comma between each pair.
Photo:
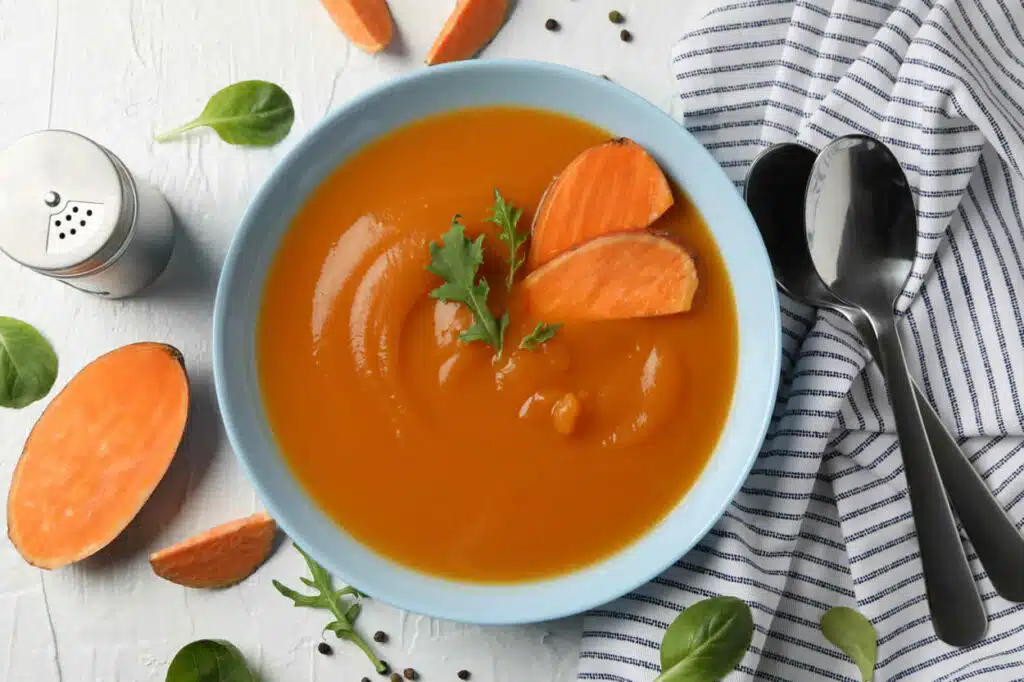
[(116, 71)]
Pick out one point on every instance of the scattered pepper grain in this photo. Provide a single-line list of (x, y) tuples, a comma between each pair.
[(365, 679), (616, 17), (464, 675), (552, 25), (380, 637), (410, 674), (385, 669), (395, 677), (324, 648), (626, 36)]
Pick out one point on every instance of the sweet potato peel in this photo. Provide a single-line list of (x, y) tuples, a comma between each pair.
[(612, 187), (219, 557), (614, 277), (367, 23), (97, 453), (471, 25)]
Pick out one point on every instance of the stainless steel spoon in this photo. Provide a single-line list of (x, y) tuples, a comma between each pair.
[(861, 227), (775, 188)]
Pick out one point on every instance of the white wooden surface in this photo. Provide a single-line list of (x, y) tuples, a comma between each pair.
[(117, 71)]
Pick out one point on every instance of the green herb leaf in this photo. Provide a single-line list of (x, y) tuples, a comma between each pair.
[(330, 599), (457, 261), (506, 216), (254, 113), (28, 364), (209, 660), (706, 641), (542, 333), (855, 636)]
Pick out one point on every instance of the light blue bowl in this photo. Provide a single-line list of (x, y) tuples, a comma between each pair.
[(457, 86)]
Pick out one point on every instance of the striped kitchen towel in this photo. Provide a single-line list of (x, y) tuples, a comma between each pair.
[(824, 518)]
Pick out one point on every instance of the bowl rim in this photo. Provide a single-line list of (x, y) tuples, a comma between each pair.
[(562, 609)]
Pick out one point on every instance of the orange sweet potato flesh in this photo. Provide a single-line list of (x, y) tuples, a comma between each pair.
[(367, 23), (612, 187), (97, 453), (219, 557), (619, 276), (471, 25)]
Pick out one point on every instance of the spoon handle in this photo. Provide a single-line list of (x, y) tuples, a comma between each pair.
[(999, 545), (958, 615)]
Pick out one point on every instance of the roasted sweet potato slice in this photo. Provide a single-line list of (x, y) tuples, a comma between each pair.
[(613, 187), (471, 25), (619, 276), (219, 557), (97, 453), (367, 23)]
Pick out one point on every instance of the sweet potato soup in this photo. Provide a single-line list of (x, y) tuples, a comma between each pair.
[(436, 450)]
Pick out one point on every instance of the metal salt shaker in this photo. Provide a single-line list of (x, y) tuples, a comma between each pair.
[(71, 210)]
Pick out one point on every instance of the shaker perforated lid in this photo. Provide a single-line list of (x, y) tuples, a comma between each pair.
[(66, 204)]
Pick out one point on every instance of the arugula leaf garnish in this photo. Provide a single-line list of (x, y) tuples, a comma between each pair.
[(329, 599), (457, 261), (542, 333), (506, 216)]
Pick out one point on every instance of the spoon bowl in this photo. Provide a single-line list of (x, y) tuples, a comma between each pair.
[(861, 222)]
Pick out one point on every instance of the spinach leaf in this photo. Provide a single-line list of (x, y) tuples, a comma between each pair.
[(855, 636), (254, 113), (28, 364), (209, 660), (706, 641)]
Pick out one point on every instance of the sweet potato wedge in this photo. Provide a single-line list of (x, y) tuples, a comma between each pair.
[(471, 25), (612, 187), (367, 23), (220, 557), (618, 276), (97, 453)]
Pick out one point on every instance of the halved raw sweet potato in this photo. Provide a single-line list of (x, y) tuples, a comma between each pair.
[(613, 187), (97, 453), (619, 276), (367, 23), (219, 557), (471, 25)]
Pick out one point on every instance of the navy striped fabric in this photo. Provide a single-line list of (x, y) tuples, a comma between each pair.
[(824, 518)]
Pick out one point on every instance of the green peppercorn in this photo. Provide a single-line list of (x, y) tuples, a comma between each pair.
[(616, 17)]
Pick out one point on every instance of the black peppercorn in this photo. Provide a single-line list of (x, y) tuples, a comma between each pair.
[(324, 648), (380, 637), (365, 679), (385, 669), (552, 25), (464, 675), (626, 36)]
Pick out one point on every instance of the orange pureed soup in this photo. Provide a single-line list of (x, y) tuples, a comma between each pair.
[(430, 450)]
